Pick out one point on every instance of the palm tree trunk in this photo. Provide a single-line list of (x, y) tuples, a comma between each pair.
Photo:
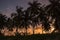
[(0, 32), (42, 30), (33, 30), (26, 32), (17, 31)]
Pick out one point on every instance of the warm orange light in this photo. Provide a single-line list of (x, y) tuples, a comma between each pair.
[(30, 31), (37, 30)]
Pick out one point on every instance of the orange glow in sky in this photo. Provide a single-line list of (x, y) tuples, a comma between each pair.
[(22, 31), (37, 30)]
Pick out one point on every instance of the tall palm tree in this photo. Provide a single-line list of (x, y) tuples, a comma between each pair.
[(34, 12), (9, 24), (54, 11), (26, 20), (43, 18), (14, 19), (37, 14), (21, 18), (2, 20), (17, 17)]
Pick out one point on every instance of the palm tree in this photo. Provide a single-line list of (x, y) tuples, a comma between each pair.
[(34, 12), (17, 17), (25, 20), (9, 24), (2, 20), (21, 18), (14, 19), (37, 14), (43, 19), (53, 10)]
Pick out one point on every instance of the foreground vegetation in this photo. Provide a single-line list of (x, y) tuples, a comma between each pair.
[(54, 36)]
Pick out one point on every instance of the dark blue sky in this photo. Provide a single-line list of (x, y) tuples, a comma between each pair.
[(8, 6)]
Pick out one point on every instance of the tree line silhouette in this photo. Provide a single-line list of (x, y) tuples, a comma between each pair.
[(34, 15)]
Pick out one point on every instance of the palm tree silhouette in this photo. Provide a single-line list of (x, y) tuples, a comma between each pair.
[(9, 24), (53, 10), (17, 17), (21, 18), (34, 12), (43, 19), (2, 20)]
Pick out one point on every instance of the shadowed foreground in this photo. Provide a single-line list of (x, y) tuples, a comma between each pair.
[(33, 37)]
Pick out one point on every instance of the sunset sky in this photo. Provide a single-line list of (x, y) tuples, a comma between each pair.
[(9, 6)]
